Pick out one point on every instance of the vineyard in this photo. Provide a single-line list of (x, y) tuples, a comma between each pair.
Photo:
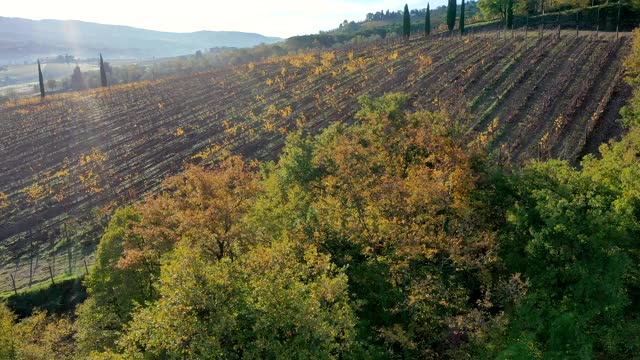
[(63, 157)]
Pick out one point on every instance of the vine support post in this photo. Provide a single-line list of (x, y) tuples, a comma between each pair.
[(13, 281), (31, 252), (618, 22), (51, 274), (586, 135), (597, 22)]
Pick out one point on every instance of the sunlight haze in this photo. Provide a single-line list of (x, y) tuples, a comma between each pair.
[(282, 18)]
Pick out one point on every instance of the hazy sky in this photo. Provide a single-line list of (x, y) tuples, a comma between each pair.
[(281, 18)]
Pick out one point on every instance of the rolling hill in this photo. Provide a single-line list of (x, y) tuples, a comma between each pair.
[(25, 40), (521, 98)]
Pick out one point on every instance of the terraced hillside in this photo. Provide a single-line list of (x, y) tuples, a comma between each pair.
[(64, 156)]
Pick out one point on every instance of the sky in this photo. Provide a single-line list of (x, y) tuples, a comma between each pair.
[(282, 18)]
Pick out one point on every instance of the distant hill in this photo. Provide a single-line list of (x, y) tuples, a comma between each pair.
[(23, 39)]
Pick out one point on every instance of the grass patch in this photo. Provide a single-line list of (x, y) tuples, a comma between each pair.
[(59, 298)]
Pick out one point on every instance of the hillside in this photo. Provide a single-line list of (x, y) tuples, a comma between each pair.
[(23, 39), (393, 19), (522, 98)]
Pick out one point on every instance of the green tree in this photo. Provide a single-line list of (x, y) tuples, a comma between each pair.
[(451, 14), (103, 73), (37, 337), (567, 236), (201, 209), (631, 112), (113, 291), (278, 301), (40, 80), (42, 337), (509, 14), (406, 22), (289, 190), (374, 195), (8, 345), (390, 181), (427, 21), (462, 18), (493, 8)]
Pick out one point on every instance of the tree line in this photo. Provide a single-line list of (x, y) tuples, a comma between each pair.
[(504, 11), (450, 18), (77, 79)]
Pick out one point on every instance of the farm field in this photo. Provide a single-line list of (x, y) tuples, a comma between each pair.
[(524, 98), (28, 73)]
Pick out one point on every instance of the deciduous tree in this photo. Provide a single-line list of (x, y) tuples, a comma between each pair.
[(8, 344), (493, 8), (566, 236), (276, 301)]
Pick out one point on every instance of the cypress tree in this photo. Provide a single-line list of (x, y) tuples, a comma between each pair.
[(462, 18), (406, 23), (451, 14), (41, 80), (77, 79), (509, 14), (103, 73), (427, 22)]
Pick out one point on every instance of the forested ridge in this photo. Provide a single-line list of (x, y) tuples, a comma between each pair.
[(389, 236)]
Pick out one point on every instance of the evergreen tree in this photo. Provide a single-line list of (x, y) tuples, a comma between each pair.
[(451, 14), (103, 73), (427, 21), (462, 18), (40, 80), (509, 13), (406, 23)]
